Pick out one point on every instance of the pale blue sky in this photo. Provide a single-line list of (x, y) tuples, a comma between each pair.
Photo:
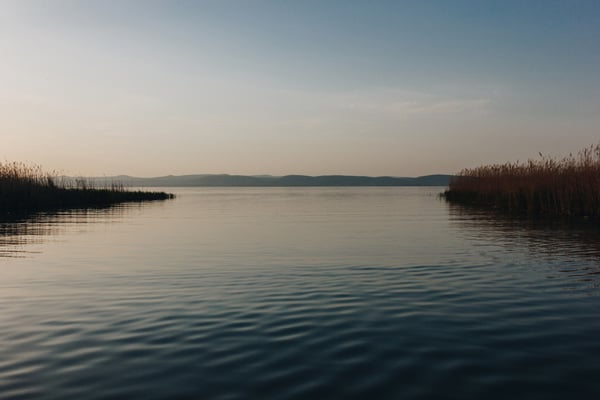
[(311, 87)]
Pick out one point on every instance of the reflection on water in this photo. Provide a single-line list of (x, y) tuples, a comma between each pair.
[(573, 244), (298, 293), (17, 232)]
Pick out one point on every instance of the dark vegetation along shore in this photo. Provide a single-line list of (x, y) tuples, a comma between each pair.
[(25, 189), (568, 187)]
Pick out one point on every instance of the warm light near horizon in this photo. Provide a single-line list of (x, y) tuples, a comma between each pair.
[(262, 88)]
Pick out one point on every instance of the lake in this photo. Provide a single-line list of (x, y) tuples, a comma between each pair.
[(297, 293)]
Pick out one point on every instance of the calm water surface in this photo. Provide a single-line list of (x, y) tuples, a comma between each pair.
[(235, 293)]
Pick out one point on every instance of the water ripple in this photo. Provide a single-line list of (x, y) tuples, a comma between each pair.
[(332, 296)]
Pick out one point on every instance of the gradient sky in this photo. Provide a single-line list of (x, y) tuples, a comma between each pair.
[(400, 88)]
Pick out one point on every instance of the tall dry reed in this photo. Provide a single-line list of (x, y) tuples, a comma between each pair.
[(548, 186), (25, 188)]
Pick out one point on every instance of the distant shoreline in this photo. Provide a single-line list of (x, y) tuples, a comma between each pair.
[(225, 180)]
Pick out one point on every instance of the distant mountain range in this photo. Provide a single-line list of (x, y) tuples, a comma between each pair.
[(277, 181)]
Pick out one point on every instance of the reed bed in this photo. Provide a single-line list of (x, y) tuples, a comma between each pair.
[(554, 187), (25, 188)]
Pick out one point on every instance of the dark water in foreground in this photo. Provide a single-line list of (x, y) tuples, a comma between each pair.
[(297, 293)]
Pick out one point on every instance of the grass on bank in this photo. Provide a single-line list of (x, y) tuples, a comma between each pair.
[(557, 187), (26, 188)]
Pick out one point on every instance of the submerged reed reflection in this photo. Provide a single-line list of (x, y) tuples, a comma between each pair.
[(21, 230), (573, 244)]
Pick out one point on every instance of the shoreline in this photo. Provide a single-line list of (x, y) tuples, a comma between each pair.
[(25, 189), (548, 187)]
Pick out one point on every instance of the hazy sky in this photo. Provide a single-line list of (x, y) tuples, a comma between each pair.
[(401, 88)]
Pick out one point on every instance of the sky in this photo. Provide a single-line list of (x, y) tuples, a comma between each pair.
[(397, 88)]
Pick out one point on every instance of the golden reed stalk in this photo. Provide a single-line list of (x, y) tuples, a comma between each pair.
[(563, 187), (26, 188)]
